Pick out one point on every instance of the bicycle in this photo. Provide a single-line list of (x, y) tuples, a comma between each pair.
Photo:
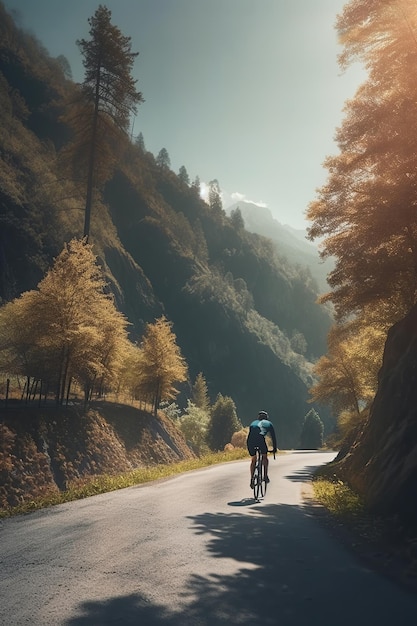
[(259, 483)]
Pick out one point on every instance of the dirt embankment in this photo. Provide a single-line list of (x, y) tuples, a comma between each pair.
[(43, 449)]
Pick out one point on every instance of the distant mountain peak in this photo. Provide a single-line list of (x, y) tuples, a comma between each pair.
[(291, 242)]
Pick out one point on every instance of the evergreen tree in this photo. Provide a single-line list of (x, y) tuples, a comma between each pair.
[(199, 393), (312, 433), (196, 185), (107, 100), (237, 220), (223, 422), (140, 142), (162, 160), (215, 198), (183, 175)]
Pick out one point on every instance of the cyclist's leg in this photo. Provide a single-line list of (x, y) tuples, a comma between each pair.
[(265, 463), (252, 469), (251, 445)]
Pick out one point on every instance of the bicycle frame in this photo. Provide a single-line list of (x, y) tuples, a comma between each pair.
[(258, 477), (259, 484)]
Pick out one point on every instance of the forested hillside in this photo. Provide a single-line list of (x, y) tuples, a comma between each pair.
[(291, 244), (243, 316)]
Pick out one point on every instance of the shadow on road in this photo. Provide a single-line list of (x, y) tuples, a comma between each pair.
[(244, 502), (287, 571), (303, 475)]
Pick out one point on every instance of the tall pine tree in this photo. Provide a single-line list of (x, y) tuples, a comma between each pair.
[(107, 100)]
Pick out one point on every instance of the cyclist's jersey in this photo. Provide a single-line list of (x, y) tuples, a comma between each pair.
[(262, 428)]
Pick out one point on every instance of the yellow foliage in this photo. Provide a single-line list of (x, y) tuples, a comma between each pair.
[(239, 438)]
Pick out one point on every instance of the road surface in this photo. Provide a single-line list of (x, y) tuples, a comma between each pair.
[(192, 550)]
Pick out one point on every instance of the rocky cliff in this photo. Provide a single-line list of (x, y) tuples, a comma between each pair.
[(44, 450), (382, 462)]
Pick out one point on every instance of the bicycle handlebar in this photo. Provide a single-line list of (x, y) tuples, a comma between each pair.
[(257, 448)]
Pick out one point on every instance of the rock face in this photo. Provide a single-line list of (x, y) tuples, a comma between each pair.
[(43, 451), (382, 462)]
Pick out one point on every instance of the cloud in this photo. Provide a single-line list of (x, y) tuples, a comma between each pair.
[(241, 197), (229, 198)]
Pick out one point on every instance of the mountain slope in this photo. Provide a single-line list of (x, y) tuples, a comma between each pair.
[(244, 316), (290, 243)]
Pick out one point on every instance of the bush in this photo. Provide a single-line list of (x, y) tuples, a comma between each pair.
[(239, 438)]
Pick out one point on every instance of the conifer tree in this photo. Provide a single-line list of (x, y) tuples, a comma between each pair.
[(163, 160), (108, 98), (215, 198), (199, 393), (237, 220), (223, 422), (140, 142), (196, 185), (312, 433), (183, 175)]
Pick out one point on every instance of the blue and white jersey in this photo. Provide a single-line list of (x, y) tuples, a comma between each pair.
[(263, 427)]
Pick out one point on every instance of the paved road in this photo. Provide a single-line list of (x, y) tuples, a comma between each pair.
[(193, 550)]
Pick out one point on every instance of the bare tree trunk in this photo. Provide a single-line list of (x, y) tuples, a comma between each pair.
[(91, 161), (68, 391), (64, 377)]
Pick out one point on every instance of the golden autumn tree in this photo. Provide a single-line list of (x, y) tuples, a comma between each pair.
[(348, 374), (366, 210), (68, 329), (365, 213), (161, 366)]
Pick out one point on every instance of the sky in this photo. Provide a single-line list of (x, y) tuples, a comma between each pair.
[(247, 92)]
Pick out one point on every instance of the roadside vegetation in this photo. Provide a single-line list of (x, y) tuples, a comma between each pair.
[(384, 542), (93, 486), (337, 497)]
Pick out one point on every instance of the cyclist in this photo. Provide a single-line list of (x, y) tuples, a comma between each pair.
[(256, 439)]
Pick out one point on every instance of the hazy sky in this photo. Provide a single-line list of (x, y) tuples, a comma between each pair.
[(247, 92)]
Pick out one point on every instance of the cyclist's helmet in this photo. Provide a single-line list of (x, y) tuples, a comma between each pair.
[(263, 415)]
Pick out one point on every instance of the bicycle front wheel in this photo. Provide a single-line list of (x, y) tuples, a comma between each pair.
[(262, 484), (258, 485)]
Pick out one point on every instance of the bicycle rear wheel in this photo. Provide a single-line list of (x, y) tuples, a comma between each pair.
[(261, 478), (258, 484)]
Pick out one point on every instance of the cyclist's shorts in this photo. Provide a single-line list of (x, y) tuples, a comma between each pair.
[(256, 441)]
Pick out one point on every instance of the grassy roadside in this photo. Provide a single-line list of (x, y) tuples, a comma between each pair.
[(337, 498), (385, 544), (84, 488)]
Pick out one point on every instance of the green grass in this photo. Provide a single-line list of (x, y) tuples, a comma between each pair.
[(105, 483), (337, 497)]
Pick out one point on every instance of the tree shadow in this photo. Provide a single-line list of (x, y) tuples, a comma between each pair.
[(302, 475), (274, 565)]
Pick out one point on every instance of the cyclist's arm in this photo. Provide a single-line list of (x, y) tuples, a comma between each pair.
[(273, 437)]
